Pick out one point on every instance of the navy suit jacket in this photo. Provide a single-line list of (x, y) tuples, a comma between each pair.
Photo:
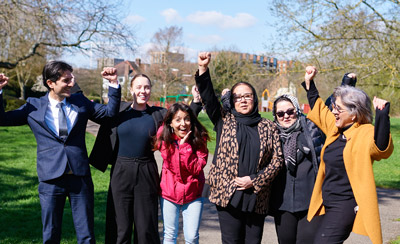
[(53, 153)]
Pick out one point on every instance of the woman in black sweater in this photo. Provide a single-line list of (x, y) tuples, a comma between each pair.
[(126, 144)]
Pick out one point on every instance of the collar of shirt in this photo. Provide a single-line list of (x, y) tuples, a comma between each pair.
[(51, 116)]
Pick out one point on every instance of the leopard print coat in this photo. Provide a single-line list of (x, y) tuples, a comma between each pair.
[(225, 169)]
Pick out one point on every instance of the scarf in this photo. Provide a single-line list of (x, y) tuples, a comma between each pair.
[(289, 135), (249, 151)]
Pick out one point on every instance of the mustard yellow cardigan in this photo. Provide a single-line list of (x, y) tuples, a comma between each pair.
[(358, 155)]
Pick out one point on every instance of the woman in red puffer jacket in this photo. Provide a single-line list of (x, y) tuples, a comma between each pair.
[(182, 141)]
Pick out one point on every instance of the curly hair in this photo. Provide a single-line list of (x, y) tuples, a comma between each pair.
[(197, 139)]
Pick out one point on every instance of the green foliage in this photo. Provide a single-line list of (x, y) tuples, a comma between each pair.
[(397, 241), (227, 69), (346, 36), (12, 103), (206, 122)]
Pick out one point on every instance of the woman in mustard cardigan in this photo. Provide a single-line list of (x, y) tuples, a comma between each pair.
[(344, 191)]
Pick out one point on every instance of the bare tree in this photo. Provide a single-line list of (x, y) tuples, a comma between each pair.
[(340, 36), (27, 73), (167, 58), (41, 27)]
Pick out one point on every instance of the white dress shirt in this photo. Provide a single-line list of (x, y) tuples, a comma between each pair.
[(51, 116)]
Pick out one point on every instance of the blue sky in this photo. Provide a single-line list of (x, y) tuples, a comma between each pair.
[(245, 25)]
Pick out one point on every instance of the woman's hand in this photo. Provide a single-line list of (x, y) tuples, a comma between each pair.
[(311, 72), (379, 103), (184, 139), (243, 183), (224, 91), (3, 81), (196, 94), (352, 75), (203, 60)]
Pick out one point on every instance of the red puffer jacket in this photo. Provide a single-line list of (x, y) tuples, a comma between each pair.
[(182, 176)]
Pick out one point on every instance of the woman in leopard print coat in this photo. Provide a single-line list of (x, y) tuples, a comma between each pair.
[(247, 158)]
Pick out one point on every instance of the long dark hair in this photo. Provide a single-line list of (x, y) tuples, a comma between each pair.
[(197, 139)]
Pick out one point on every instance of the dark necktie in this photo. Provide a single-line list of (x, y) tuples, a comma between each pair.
[(62, 122)]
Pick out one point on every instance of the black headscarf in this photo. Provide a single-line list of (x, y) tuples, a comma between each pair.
[(249, 150)]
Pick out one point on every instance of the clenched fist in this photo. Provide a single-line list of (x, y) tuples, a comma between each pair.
[(110, 74), (203, 60), (3, 81), (311, 72)]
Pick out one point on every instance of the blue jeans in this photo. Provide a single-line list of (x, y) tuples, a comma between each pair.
[(191, 213)]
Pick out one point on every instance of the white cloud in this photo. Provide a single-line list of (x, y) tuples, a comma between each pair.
[(208, 39), (134, 19), (190, 54), (240, 20), (171, 15)]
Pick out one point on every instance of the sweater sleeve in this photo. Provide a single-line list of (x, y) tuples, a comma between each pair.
[(312, 93), (207, 94), (196, 108), (382, 127)]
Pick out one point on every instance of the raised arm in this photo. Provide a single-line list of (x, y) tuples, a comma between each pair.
[(382, 123), (196, 104), (320, 113), (15, 117), (206, 89), (114, 96)]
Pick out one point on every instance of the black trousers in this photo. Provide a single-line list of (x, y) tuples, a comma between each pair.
[(337, 223), (294, 228), (111, 224), (134, 192), (240, 227)]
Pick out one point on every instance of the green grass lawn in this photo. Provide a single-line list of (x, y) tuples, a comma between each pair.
[(19, 201)]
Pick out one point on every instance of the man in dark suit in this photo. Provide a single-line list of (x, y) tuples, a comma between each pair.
[(58, 121)]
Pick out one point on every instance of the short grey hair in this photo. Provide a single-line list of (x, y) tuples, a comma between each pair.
[(356, 101)]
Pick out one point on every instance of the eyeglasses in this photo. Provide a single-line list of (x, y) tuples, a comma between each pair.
[(247, 97), (338, 108), (289, 112)]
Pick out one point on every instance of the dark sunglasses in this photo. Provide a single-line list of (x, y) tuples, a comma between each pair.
[(289, 112)]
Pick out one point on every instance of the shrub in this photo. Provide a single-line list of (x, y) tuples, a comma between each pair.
[(12, 103)]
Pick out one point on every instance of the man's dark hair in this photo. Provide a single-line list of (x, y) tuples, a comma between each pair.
[(53, 70)]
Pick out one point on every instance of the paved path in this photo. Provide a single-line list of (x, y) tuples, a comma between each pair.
[(389, 207)]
